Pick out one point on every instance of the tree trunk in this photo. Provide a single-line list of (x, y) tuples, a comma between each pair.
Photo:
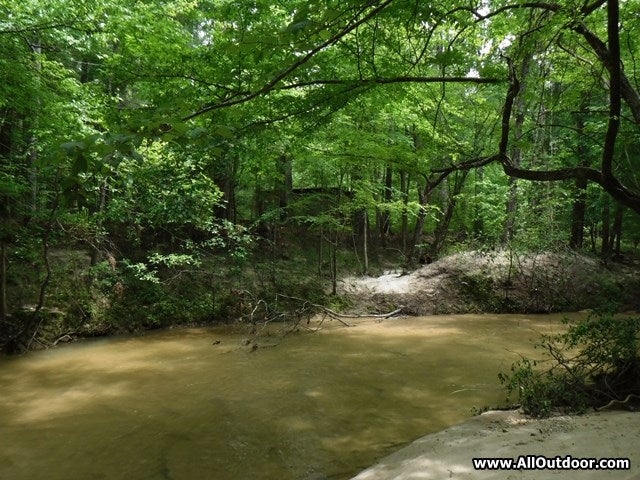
[(259, 209), (478, 219), (4, 310), (226, 181), (365, 245), (33, 142), (320, 250), (334, 263), (285, 184), (616, 233), (423, 198), (384, 222), (579, 203), (577, 215), (606, 229), (516, 151), (512, 206), (442, 229), (404, 190)]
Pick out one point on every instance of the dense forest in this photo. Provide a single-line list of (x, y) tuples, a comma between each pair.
[(185, 161)]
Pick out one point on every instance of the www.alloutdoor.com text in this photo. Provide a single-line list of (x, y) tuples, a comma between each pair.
[(540, 462)]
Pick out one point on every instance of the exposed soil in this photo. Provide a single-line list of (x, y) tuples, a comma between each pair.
[(473, 282), (449, 454)]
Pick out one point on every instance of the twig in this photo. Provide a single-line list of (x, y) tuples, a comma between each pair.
[(33, 337)]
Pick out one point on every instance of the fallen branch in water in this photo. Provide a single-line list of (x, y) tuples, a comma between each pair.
[(304, 311), (615, 402), (339, 316), (64, 338)]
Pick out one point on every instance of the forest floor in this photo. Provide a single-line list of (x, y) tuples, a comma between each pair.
[(501, 282)]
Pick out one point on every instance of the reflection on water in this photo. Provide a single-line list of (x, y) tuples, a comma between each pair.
[(196, 404)]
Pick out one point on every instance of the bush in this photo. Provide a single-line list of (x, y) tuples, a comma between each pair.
[(597, 360), (479, 290)]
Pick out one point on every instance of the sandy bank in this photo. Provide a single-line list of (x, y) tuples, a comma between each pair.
[(448, 454), (500, 281)]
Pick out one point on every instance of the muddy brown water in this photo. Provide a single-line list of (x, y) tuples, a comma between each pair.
[(192, 404)]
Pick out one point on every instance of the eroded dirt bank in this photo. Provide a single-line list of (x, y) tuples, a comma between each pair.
[(473, 282)]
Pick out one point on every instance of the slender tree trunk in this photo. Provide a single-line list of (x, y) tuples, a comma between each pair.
[(259, 209), (33, 142), (442, 229), (478, 219), (225, 179), (365, 246), (512, 207), (579, 203), (285, 185), (578, 215), (334, 263), (7, 132), (320, 250), (96, 241), (4, 310), (47, 267), (616, 233), (516, 151), (423, 198), (384, 223), (606, 229), (404, 190)]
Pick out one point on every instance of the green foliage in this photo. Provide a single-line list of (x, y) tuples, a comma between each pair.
[(163, 191), (480, 291), (164, 133), (595, 361)]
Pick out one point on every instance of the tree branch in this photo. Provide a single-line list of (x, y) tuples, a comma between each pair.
[(294, 66), (401, 79), (603, 177), (42, 27), (627, 91)]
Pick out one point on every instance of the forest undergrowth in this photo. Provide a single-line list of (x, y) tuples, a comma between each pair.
[(127, 295)]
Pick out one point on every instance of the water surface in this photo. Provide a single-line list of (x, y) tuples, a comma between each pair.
[(194, 404)]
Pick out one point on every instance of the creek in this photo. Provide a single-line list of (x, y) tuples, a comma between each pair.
[(195, 403)]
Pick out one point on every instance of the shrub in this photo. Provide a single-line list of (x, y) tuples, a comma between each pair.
[(595, 361)]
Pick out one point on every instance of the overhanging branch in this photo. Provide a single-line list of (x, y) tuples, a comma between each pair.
[(603, 177), (400, 79), (270, 85)]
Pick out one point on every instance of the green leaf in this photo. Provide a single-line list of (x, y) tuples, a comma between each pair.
[(224, 131), (72, 147), (80, 164)]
